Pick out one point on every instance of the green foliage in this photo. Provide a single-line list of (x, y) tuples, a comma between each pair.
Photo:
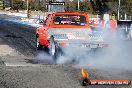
[(91, 6)]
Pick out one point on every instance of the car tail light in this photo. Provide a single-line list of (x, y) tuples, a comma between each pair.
[(103, 45), (63, 44)]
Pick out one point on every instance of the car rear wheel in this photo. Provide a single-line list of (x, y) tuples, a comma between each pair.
[(130, 33), (38, 46), (54, 49)]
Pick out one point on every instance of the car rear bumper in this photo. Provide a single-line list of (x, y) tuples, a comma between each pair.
[(82, 45)]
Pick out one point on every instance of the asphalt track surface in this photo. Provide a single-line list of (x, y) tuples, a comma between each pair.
[(19, 67)]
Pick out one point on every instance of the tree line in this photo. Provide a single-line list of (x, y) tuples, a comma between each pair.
[(90, 6)]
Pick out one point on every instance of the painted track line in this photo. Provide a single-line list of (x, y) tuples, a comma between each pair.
[(22, 65)]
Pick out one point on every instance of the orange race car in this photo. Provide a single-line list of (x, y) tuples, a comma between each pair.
[(67, 29)]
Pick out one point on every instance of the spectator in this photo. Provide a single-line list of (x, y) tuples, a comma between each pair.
[(113, 24)]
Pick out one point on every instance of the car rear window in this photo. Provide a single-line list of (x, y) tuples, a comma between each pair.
[(77, 20)]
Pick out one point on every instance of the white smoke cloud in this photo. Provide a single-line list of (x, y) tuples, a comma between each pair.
[(43, 58), (117, 55)]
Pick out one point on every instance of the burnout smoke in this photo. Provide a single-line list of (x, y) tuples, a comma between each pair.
[(43, 58), (117, 55)]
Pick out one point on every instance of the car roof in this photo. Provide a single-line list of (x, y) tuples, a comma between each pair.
[(77, 13)]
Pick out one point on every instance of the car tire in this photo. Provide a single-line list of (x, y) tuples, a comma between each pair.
[(130, 33), (54, 49), (38, 46)]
